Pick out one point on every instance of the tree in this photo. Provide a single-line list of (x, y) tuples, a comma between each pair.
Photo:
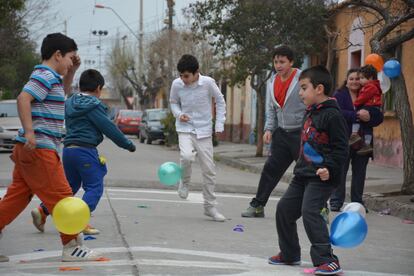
[(17, 54), (180, 42), (248, 31), (392, 22)]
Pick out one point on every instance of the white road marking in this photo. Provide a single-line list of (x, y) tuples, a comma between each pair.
[(250, 265)]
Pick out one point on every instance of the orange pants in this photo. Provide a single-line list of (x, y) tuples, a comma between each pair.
[(38, 172)]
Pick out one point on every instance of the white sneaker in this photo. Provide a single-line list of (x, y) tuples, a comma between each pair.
[(212, 212), (74, 251), (3, 258), (183, 190)]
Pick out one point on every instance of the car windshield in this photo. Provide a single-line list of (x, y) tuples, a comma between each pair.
[(131, 113), (156, 115), (8, 109)]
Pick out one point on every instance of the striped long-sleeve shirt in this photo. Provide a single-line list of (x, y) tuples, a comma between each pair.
[(46, 87)]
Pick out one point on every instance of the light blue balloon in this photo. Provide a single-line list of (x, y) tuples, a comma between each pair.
[(392, 68), (348, 230), (169, 173)]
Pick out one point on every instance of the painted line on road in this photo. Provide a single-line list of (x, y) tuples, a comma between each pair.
[(223, 195), (252, 265)]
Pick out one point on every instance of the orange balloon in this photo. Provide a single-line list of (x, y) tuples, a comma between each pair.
[(376, 61)]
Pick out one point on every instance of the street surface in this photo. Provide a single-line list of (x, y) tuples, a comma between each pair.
[(149, 231)]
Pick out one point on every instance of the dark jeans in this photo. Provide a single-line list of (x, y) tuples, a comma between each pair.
[(284, 150), (359, 171), (305, 197)]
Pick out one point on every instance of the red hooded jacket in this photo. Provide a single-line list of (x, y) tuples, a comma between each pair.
[(369, 95)]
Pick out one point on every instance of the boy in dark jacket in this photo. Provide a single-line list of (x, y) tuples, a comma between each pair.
[(369, 98), (324, 148), (86, 121)]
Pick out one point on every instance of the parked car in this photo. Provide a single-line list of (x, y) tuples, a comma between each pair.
[(151, 128), (128, 121), (9, 124)]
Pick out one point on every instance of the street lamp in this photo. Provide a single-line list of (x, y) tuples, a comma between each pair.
[(139, 39), (98, 6), (100, 33)]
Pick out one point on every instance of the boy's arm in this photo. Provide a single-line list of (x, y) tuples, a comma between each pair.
[(100, 119), (25, 114), (220, 107), (175, 101), (68, 78), (338, 142), (270, 111)]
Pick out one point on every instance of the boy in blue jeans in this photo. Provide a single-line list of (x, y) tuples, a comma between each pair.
[(86, 120), (323, 151)]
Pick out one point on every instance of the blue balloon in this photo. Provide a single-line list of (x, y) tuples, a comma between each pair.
[(348, 230), (392, 68), (169, 173)]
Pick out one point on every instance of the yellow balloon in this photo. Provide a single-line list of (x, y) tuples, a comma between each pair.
[(71, 215)]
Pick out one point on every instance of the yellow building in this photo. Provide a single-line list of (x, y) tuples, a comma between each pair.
[(353, 46)]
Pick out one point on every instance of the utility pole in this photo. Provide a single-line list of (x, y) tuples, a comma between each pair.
[(100, 33), (65, 24), (170, 4), (141, 36)]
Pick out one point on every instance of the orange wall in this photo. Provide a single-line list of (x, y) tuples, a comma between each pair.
[(387, 148)]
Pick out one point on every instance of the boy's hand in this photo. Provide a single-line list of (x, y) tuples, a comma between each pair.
[(267, 137), (76, 63), (30, 140), (132, 148), (184, 118), (323, 174)]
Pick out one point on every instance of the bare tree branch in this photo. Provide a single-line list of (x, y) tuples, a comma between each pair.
[(394, 42), (374, 5)]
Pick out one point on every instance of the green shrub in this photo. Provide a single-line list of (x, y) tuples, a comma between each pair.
[(171, 136)]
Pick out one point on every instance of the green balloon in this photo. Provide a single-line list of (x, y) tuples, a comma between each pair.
[(169, 173)]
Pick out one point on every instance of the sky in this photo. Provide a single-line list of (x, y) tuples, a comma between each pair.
[(82, 18)]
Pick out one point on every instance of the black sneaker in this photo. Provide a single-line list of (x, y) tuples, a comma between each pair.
[(335, 209), (253, 212)]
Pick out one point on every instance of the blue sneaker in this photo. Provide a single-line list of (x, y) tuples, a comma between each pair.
[(331, 268), (277, 260)]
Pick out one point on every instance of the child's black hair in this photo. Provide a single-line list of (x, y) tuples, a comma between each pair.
[(369, 72), (284, 51), (187, 63), (57, 42), (90, 80), (318, 75)]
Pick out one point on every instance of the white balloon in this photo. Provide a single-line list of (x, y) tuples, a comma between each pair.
[(355, 207), (385, 82)]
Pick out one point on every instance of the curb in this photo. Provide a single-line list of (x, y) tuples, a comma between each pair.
[(375, 203)]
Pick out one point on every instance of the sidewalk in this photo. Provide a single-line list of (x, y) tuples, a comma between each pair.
[(380, 184)]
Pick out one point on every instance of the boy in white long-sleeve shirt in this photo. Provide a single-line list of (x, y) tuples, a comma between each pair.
[(191, 103)]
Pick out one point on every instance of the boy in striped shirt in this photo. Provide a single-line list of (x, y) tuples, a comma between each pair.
[(38, 169)]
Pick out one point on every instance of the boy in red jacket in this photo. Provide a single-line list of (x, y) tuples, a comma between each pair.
[(369, 98)]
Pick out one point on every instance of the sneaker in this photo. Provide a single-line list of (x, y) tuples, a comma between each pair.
[(90, 230), (277, 260), (212, 212), (355, 138), (3, 258), (74, 251), (331, 268), (254, 212), (365, 150), (335, 209), (39, 219), (183, 190)]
